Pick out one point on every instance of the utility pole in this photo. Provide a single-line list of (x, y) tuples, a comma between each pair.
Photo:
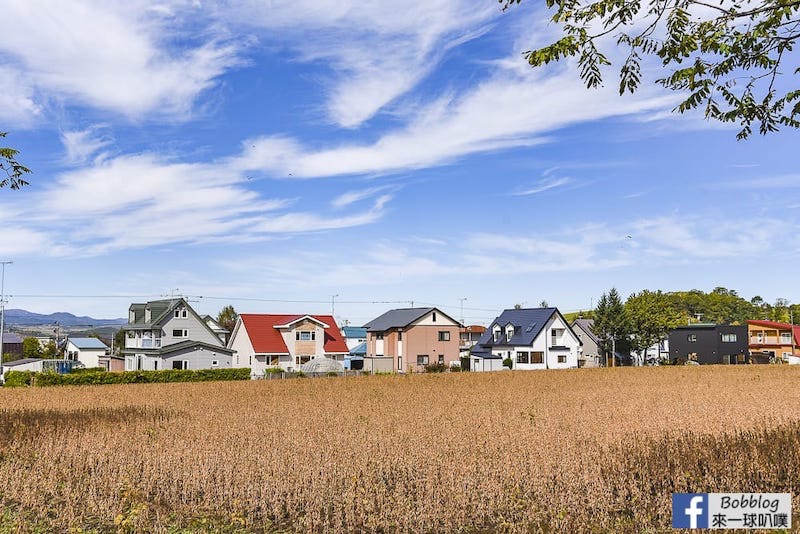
[(462, 299), (2, 307), (333, 304)]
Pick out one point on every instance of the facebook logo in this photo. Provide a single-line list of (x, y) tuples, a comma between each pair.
[(690, 510)]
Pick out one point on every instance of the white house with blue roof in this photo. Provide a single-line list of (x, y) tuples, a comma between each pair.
[(533, 338), (87, 350)]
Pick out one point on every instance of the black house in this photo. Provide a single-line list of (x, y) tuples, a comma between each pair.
[(707, 343)]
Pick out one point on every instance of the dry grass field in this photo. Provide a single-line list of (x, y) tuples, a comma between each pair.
[(558, 451)]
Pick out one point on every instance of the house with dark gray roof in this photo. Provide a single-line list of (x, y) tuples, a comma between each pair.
[(590, 354), (408, 339), (169, 334), (532, 338)]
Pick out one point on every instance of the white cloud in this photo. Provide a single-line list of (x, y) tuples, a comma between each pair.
[(110, 55), (80, 145), (785, 181), (351, 197)]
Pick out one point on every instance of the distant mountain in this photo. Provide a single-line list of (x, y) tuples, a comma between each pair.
[(26, 318)]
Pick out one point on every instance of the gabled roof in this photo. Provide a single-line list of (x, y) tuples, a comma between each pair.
[(354, 332), (359, 350), (10, 338), (587, 325), (267, 339), (163, 309), (780, 326), (400, 318), (527, 323), (299, 318), (87, 343)]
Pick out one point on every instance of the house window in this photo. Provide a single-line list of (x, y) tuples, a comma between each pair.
[(496, 334), (422, 359), (537, 357), (562, 358), (434, 317), (379, 337), (441, 358), (399, 363), (300, 360), (251, 360), (155, 365), (691, 338), (740, 358), (729, 338), (523, 357), (444, 336), (400, 336), (509, 332), (214, 363), (180, 364), (305, 336), (180, 333), (786, 337), (181, 313)]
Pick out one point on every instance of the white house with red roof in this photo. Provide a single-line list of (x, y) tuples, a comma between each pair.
[(261, 341)]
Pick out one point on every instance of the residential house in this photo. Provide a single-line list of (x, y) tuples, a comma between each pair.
[(289, 342), (217, 328), (408, 339), (769, 340), (12, 345), (354, 336), (708, 343), (655, 353), (590, 353), (468, 336), (532, 338), (169, 334), (87, 350)]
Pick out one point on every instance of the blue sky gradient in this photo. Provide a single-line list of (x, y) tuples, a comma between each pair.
[(252, 153)]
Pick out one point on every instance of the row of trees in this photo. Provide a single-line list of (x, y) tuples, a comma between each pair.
[(646, 317)]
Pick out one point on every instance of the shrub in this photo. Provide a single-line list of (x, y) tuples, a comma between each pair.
[(508, 362), (435, 368), (273, 371), (18, 378), (129, 377), (455, 368), (88, 370)]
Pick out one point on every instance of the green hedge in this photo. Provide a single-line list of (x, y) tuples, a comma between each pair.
[(27, 378)]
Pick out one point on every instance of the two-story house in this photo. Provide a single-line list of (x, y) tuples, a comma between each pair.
[(590, 353), (261, 341), (708, 343), (408, 339), (169, 334), (769, 340), (532, 338)]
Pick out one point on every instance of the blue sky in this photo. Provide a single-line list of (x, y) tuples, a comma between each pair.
[(259, 152)]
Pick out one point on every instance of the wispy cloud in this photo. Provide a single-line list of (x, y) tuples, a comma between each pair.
[(351, 197), (545, 184), (80, 145), (785, 181)]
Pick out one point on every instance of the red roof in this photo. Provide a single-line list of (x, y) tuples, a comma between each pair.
[(780, 326), (267, 339)]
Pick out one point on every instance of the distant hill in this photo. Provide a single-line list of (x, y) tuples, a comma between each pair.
[(25, 318)]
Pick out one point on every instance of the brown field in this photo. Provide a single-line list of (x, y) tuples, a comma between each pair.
[(556, 451)]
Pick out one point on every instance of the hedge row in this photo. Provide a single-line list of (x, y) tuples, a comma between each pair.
[(29, 378)]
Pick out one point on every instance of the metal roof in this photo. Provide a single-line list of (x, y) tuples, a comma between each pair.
[(527, 323), (87, 343), (587, 325), (397, 318), (354, 331)]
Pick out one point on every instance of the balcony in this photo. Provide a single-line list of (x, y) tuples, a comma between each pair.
[(770, 340)]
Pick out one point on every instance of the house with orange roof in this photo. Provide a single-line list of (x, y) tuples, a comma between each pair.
[(262, 341), (770, 340)]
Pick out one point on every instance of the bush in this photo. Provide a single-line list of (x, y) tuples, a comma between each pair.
[(15, 379), (273, 371), (435, 368), (508, 362), (127, 377), (88, 370), (455, 368)]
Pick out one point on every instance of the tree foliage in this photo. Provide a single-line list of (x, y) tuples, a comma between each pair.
[(611, 323), (31, 348), (651, 315), (227, 318), (12, 171), (726, 57)]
